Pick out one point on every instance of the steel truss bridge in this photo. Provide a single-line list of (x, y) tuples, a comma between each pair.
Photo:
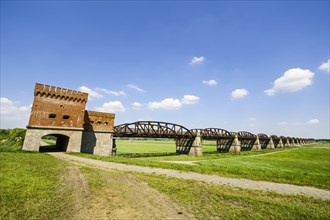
[(223, 138), (185, 137)]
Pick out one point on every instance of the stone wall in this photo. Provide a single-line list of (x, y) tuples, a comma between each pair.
[(32, 141)]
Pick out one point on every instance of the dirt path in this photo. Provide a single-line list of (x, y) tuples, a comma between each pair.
[(78, 185), (116, 195), (213, 179)]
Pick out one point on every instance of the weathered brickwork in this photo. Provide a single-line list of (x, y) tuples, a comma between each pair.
[(57, 107), (99, 121), (61, 112)]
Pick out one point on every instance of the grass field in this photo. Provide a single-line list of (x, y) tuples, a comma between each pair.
[(32, 188), (32, 183), (308, 165), (135, 146), (208, 201)]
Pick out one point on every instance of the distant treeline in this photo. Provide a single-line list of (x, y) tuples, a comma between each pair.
[(323, 140)]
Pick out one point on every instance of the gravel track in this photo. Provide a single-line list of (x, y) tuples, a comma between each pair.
[(213, 179)]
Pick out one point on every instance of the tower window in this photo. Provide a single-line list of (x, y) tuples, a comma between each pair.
[(66, 116), (52, 116)]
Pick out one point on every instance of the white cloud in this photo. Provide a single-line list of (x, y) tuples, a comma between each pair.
[(174, 104), (211, 82), (91, 93), (168, 104), (252, 119), (283, 123), (292, 80), (239, 93), (8, 107), (13, 115), (325, 66), (115, 106), (110, 92), (133, 86), (197, 60), (189, 99), (136, 105), (6, 102), (313, 121)]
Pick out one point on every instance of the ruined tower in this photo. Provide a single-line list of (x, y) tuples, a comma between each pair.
[(61, 113)]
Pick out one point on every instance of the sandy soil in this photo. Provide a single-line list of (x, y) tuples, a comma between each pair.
[(122, 197)]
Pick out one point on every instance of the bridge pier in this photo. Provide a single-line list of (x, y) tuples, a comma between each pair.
[(196, 148), (296, 143), (280, 144), (235, 146), (257, 145), (270, 144)]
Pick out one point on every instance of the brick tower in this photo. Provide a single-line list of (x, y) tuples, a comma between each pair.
[(61, 113)]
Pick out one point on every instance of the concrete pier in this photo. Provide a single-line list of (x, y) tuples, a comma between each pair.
[(270, 144), (257, 145), (236, 146), (196, 148)]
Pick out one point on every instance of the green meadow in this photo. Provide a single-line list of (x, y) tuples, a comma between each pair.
[(308, 165), (32, 184)]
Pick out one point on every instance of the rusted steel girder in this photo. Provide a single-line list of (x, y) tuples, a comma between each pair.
[(184, 138), (223, 138), (152, 129), (264, 140), (247, 140), (284, 140), (289, 140), (276, 140)]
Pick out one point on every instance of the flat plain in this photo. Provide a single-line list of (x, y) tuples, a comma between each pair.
[(40, 186)]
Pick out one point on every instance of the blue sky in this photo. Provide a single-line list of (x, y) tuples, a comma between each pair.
[(257, 66)]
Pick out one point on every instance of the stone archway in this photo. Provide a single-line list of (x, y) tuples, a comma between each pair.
[(54, 143), (68, 140)]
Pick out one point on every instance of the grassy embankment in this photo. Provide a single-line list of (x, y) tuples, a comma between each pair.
[(308, 165), (11, 139)]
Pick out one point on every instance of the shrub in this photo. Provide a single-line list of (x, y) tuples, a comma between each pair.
[(12, 139)]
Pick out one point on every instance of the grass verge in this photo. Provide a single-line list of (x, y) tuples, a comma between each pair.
[(31, 188), (309, 165), (207, 201)]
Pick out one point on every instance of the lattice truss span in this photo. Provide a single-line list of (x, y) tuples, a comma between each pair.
[(223, 138)]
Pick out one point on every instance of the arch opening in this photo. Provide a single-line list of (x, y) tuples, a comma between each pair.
[(54, 143)]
